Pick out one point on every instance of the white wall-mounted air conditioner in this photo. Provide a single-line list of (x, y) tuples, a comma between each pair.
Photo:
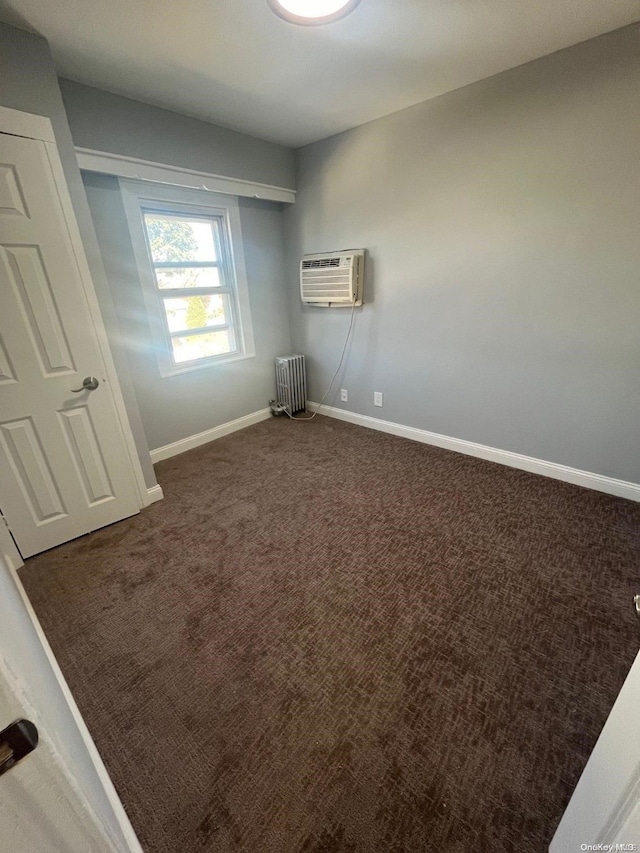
[(332, 279)]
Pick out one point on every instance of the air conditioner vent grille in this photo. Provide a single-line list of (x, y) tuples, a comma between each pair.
[(320, 263)]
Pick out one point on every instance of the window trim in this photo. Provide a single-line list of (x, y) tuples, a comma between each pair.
[(142, 196), (224, 264)]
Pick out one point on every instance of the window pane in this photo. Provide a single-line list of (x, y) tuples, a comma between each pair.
[(196, 312), (188, 277), (202, 346), (181, 238)]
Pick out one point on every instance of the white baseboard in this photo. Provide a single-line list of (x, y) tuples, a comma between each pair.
[(153, 494), (609, 485), (208, 435)]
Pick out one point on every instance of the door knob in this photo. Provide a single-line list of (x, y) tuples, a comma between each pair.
[(636, 605), (16, 741), (89, 383)]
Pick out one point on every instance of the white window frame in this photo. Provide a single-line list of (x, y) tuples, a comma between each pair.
[(140, 197)]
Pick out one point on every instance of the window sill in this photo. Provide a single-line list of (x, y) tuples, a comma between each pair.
[(168, 372)]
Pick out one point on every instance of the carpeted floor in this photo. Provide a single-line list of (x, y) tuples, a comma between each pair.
[(331, 639)]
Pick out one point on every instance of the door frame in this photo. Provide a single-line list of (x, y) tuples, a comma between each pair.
[(128, 833), (603, 809), (18, 123), (8, 548)]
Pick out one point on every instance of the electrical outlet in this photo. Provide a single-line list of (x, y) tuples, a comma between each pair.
[(377, 398), (344, 395)]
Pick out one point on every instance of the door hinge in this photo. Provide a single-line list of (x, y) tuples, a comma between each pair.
[(6, 523)]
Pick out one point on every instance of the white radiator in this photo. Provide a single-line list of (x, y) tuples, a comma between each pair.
[(291, 383)]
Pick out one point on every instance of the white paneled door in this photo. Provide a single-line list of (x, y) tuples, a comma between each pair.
[(64, 465)]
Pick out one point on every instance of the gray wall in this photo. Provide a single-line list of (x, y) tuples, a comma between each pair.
[(183, 405), (28, 82), (180, 406), (106, 122), (503, 227)]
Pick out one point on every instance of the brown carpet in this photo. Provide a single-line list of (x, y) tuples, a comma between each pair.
[(331, 639)]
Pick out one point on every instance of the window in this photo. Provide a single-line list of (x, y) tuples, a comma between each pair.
[(188, 249)]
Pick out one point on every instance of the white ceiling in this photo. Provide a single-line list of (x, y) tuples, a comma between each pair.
[(235, 63)]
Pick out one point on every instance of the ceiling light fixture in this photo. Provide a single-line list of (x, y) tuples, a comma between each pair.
[(312, 12)]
